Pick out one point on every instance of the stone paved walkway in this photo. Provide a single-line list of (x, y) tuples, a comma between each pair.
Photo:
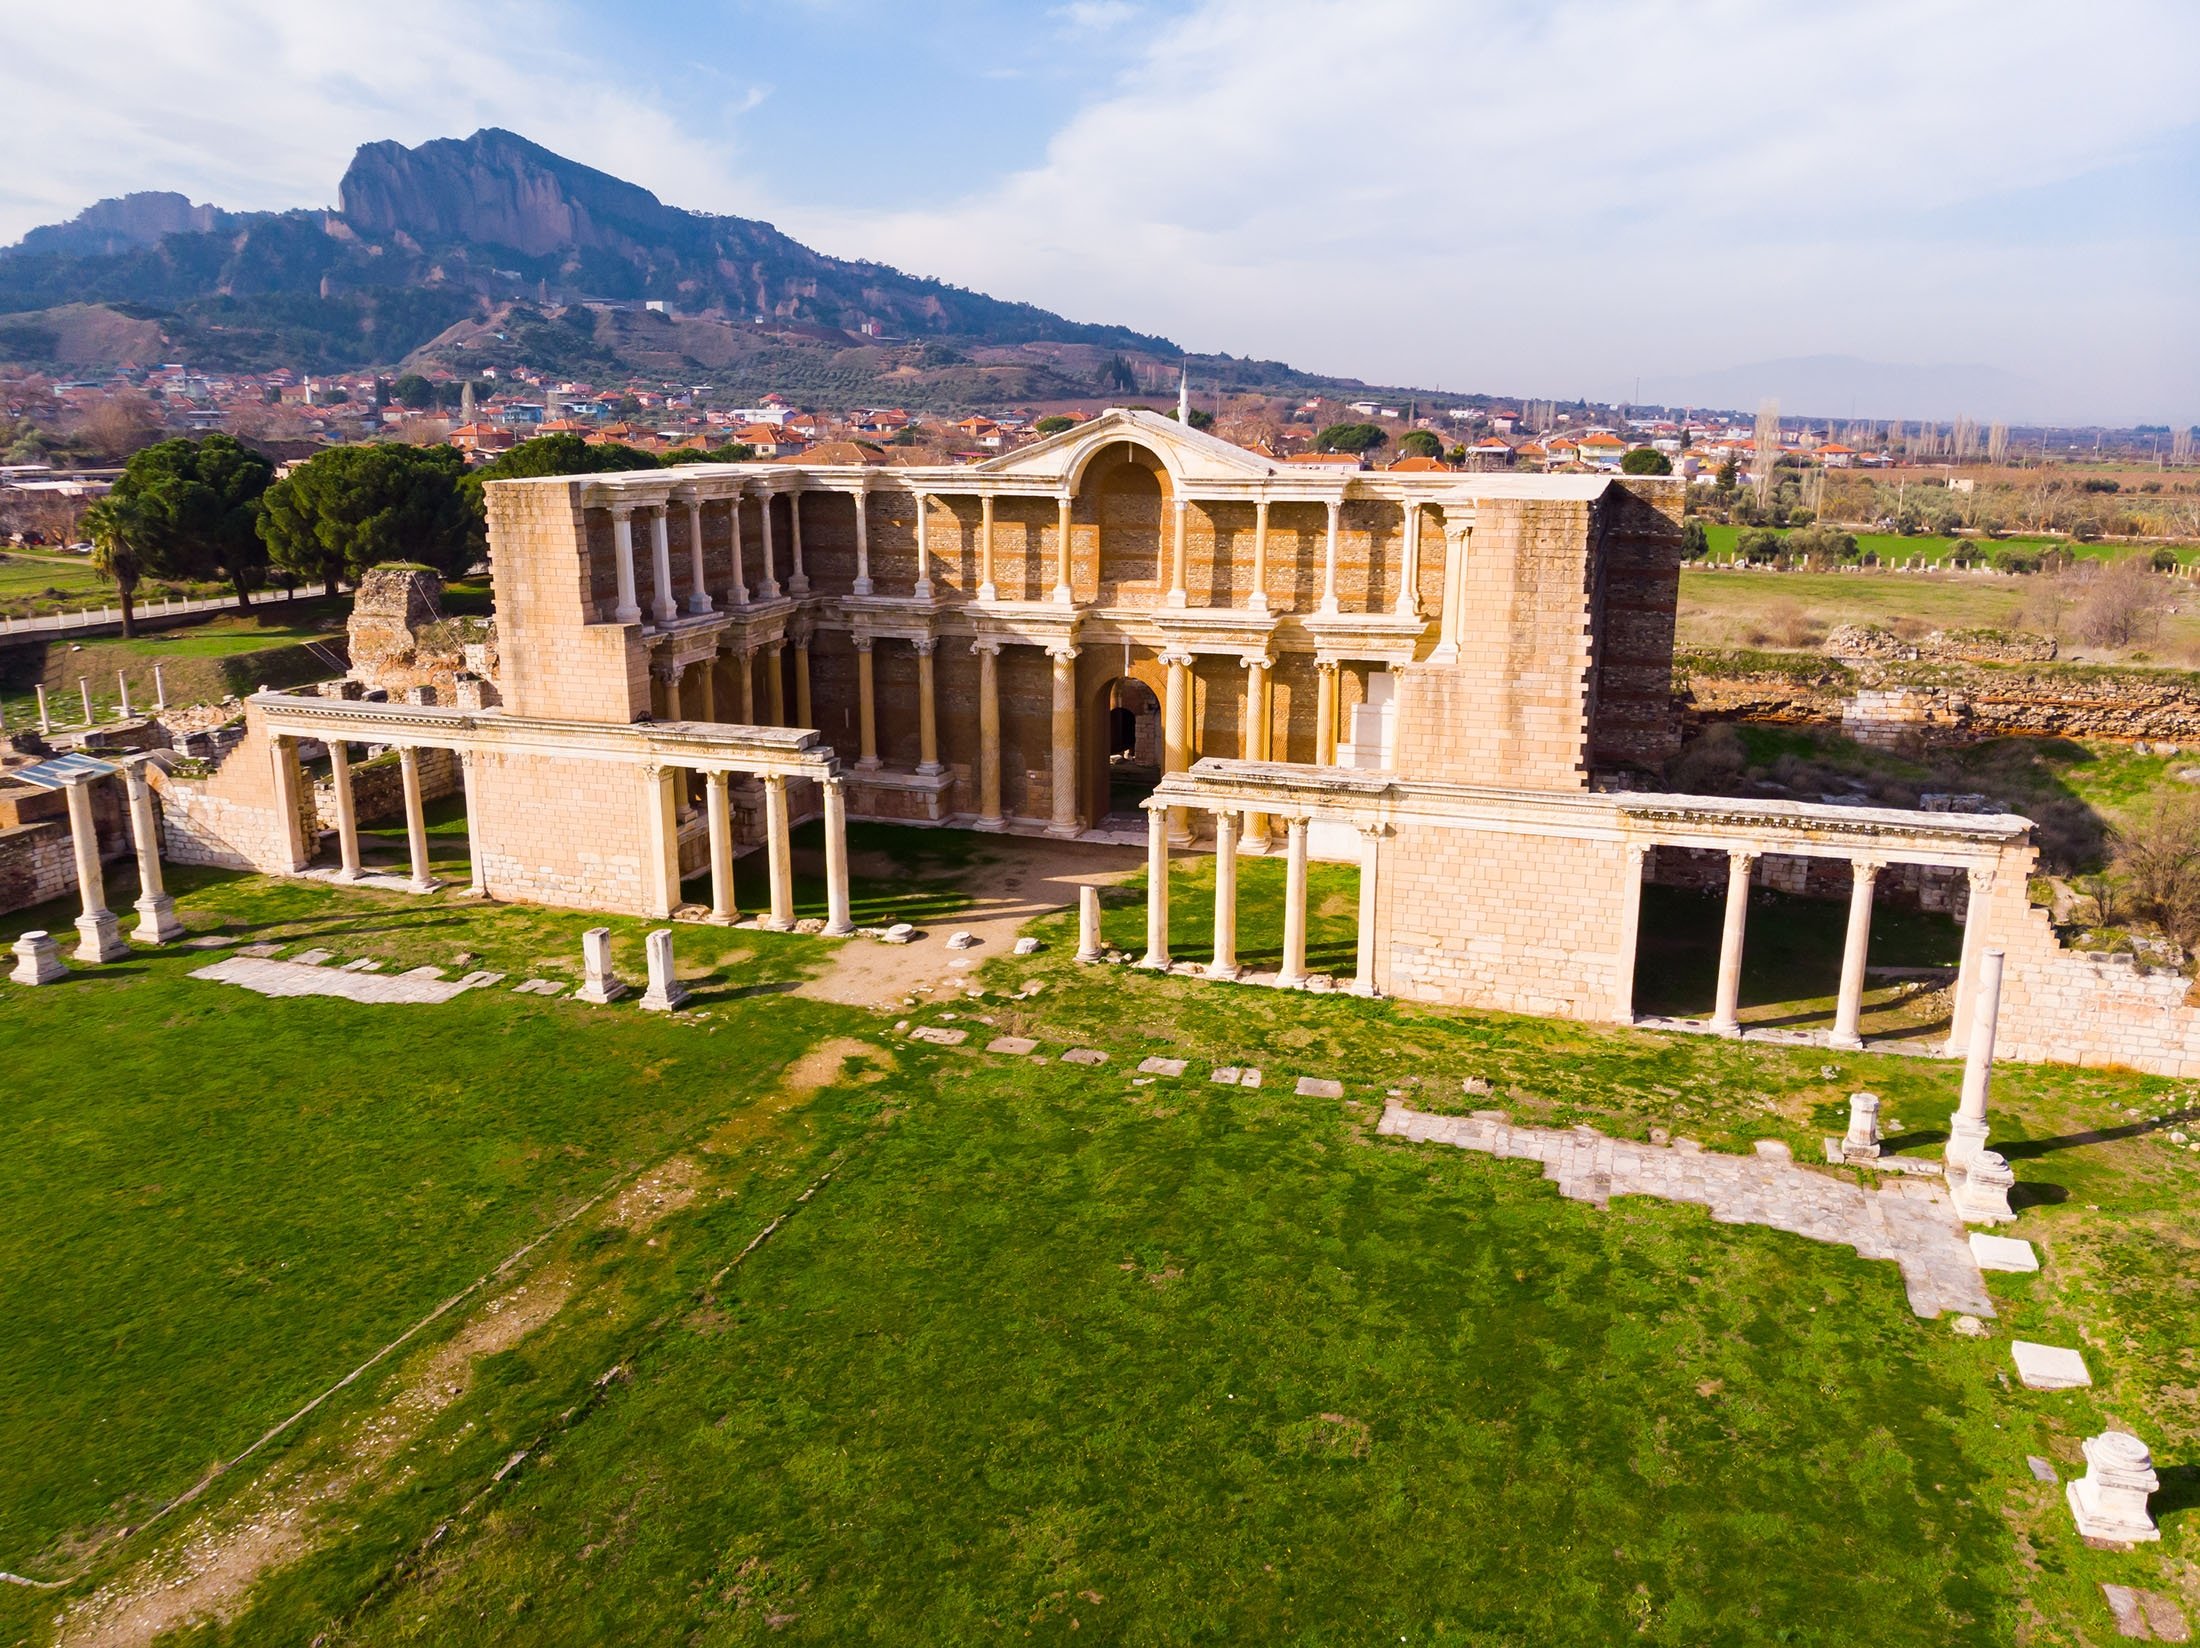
[(1911, 1221), (290, 978)]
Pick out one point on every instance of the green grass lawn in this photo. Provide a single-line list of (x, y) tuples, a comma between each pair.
[(200, 663), (958, 1347), (1896, 549)]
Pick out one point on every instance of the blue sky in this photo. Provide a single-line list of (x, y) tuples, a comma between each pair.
[(1548, 197)]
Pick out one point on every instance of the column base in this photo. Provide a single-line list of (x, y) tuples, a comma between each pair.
[(740, 595), (868, 763), (988, 592), (1846, 1044), (665, 614), (626, 615), (923, 590), (99, 938), (663, 1001), (699, 605), (1360, 987), (862, 586), (1062, 596), (844, 929), (600, 995), (1290, 981), (157, 923), (930, 769), (768, 592), (349, 875), (771, 924), (1965, 1140), (798, 585), (1178, 598), (994, 824), (1226, 971), (1154, 963), (1066, 832), (1731, 1028), (418, 886)]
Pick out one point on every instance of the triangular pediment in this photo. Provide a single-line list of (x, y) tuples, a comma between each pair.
[(1190, 455)]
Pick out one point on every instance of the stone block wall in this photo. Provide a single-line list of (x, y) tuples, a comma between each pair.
[(37, 862), (1638, 580), (378, 787), (561, 831), (552, 567), (232, 816)]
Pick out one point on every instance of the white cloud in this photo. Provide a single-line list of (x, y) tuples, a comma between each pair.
[(1563, 196), (260, 103)]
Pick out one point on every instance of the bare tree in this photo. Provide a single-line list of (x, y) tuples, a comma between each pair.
[(1997, 444), (1766, 448), (2160, 853), (2122, 604)]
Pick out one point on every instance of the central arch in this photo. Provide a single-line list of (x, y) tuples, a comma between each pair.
[(1125, 490), (1120, 739)]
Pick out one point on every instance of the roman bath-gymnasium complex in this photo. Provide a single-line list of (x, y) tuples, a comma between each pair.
[(1461, 682)]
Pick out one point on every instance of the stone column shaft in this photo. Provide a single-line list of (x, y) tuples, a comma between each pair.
[(740, 572), (661, 839), (1062, 759), (924, 549), (769, 587), (1176, 727), (662, 607), (744, 673), (1365, 960), (1088, 923), (928, 715), (1325, 713), (629, 609), (1225, 964), (1980, 885), (866, 705), (1848, 1012), (986, 589), (1253, 739), (798, 580), (99, 934), (989, 734), (477, 875), (803, 715), (1259, 598), (863, 543), (1179, 594), (778, 853), (1157, 889), (1294, 903), (1967, 1129), (1630, 935), (719, 806), (1329, 557), (1062, 553), (1409, 565), (347, 812), (157, 922), (698, 595), (416, 819), (837, 922), (775, 684), (1726, 1014)]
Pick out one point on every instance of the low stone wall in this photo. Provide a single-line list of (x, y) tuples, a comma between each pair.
[(36, 863), (378, 786), (1939, 889), (1942, 700), (1956, 646)]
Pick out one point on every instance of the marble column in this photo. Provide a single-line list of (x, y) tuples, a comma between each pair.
[(99, 934), (718, 804), (866, 706), (629, 609), (1157, 889), (1726, 1015), (1329, 556), (702, 699), (798, 579), (740, 572), (1253, 740), (160, 690), (45, 716), (1409, 562), (768, 587), (1848, 1012), (84, 692), (986, 589), (1967, 1128), (928, 714), (660, 839), (1225, 963), (744, 675), (1455, 584), (1294, 903), (1365, 960), (1176, 727), (477, 876), (837, 922), (1630, 934), (778, 854), (989, 732), (803, 716), (1062, 563), (662, 606), (667, 678), (1062, 756), (863, 543), (416, 819), (122, 686), (1975, 924), (1088, 924), (1325, 712), (775, 684), (924, 548), (1258, 600), (1179, 595), (698, 593), (347, 812)]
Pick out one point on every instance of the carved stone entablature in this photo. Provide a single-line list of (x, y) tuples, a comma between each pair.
[(1215, 631), (1027, 623), (692, 641), (1365, 637)]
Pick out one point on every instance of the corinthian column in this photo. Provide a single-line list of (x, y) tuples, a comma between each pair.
[(1062, 762), (662, 607), (99, 934), (866, 706), (989, 732), (1062, 553), (629, 609), (1726, 1015), (157, 922), (928, 716), (698, 593)]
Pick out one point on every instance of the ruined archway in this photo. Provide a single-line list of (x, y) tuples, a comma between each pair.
[(1121, 742), (1125, 490)]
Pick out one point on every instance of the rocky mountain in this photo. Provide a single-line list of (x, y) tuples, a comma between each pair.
[(491, 232)]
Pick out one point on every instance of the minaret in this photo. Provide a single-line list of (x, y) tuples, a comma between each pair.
[(466, 402), (1184, 397)]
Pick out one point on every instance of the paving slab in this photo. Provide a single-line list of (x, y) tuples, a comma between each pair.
[(2123, 1607), (313, 958), (1911, 1221), (287, 978), (481, 981), (2049, 1367), (259, 951), (1227, 1075), (1011, 1044), (1161, 1067), (939, 1035), (1084, 1055), (1320, 1087), (2041, 1470), (1251, 1076), (2002, 1252)]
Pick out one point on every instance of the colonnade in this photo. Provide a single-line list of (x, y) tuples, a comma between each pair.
[(98, 929), (1223, 960), (1741, 864)]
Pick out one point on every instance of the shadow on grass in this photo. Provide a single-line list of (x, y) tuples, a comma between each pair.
[(2020, 1149)]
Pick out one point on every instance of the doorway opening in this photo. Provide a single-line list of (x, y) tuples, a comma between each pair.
[(1129, 725)]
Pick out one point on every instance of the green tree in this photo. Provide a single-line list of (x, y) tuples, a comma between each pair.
[(1350, 437), (1420, 443), (1646, 460), (354, 507), (414, 391), (1053, 424), (561, 454), (731, 452), (1695, 541), (117, 529), (198, 504)]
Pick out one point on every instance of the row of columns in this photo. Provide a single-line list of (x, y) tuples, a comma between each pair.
[(665, 606), (778, 914), (1223, 962), (672, 695), (98, 929), (84, 691), (1848, 1010)]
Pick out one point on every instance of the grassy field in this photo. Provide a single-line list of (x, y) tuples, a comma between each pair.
[(873, 1341), (201, 663), (1896, 549)]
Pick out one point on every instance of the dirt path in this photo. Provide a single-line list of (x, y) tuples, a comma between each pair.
[(1028, 877)]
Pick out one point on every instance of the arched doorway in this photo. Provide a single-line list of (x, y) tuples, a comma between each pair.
[(1122, 753)]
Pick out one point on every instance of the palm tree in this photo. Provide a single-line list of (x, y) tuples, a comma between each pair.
[(116, 529)]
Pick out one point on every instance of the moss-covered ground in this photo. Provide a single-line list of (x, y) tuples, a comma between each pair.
[(869, 1340)]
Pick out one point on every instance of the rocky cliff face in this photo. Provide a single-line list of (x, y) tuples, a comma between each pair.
[(497, 189), (124, 224)]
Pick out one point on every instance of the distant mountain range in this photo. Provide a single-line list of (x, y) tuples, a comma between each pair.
[(1843, 386), (492, 250)]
